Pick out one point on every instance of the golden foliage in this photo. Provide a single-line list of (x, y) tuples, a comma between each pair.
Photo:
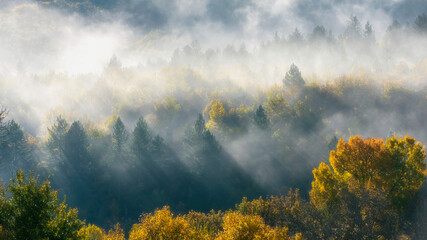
[(225, 120), (396, 167), (209, 224), (247, 227), (217, 112), (278, 108), (166, 108), (162, 225), (115, 234), (91, 232), (324, 187), (362, 158), (271, 209)]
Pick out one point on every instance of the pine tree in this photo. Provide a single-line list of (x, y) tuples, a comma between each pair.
[(141, 140), (353, 30), (293, 78), (261, 119), (200, 125), (15, 151), (421, 23), (55, 141), (120, 137), (76, 147)]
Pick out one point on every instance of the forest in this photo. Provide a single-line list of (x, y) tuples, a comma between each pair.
[(156, 134)]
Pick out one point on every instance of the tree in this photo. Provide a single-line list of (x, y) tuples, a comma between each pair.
[(199, 126), (31, 210), (217, 112), (141, 140), (293, 78), (120, 137), (319, 33), (406, 170), (278, 109), (353, 31), (394, 26), (369, 32), (260, 118), (15, 150), (370, 185), (296, 36), (202, 148), (55, 140), (421, 23), (397, 166), (93, 232), (163, 225), (76, 147), (166, 111), (2, 125), (306, 116), (238, 226)]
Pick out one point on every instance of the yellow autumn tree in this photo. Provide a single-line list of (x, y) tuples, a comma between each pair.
[(362, 158), (324, 187), (217, 113), (369, 187), (208, 224), (407, 169), (247, 227), (116, 233), (161, 226), (91, 232), (396, 168)]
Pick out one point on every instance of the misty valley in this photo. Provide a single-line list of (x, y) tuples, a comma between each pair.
[(131, 120)]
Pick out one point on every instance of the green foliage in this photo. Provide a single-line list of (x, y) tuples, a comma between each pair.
[(227, 123), (15, 150), (194, 170), (278, 109), (31, 210)]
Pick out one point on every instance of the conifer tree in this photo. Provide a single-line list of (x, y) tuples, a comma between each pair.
[(293, 78)]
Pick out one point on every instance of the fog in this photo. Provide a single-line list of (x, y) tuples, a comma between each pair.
[(51, 54), (168, 61)]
